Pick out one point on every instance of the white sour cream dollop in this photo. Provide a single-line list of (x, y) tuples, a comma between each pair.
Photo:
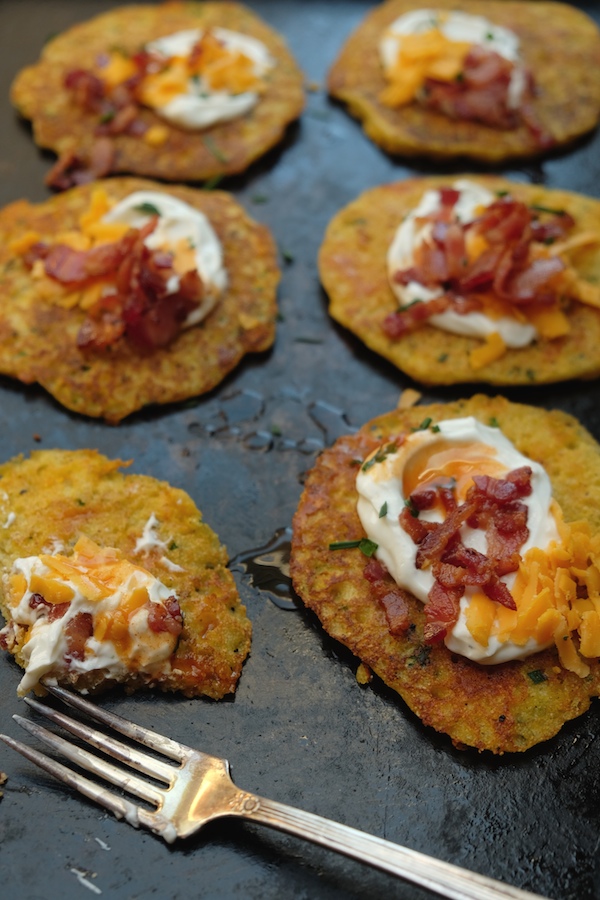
[(381, 487), (400, 256), (200, 106), (179, 224), (457, 26), (46, 646)]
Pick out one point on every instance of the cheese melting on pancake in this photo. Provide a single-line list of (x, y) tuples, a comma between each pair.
[(452, 454), (118, 600)]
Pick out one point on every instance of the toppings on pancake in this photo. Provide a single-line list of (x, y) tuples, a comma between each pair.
[(461, 65), (191, 78), (470, 528), (92, 610), (476, 263), (143, 268)]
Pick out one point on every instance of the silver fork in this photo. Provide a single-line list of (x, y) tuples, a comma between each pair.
[(199, 789)]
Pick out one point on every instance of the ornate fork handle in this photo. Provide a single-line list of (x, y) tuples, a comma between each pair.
[(440, 877)]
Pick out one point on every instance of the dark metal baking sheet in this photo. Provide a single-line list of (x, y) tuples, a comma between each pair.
[(300, 729)]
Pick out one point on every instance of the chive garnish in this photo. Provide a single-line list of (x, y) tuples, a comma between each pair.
[(212, 148), (383, 510), (537, 676), (365, 545), (548, 209), (148, 208)]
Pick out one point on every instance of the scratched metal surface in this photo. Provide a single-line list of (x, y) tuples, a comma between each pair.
[(300, 729)]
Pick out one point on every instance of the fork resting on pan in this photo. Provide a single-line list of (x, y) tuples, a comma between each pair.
[(199, 789)]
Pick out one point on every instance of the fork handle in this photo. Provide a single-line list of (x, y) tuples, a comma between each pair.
[(442, 878)]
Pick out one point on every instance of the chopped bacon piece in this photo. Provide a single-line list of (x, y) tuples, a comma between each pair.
[(77, 631), (481, 94), (52, 611), (491, 504), (141, 305), (441, 612), (416, 528), (394, 600), (71, 169), (402, 321), (166, 617)]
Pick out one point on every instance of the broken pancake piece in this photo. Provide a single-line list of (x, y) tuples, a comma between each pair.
[(118, 294), (455, 549), (485, 80), (178, 91), (469, 278), (110, 578)]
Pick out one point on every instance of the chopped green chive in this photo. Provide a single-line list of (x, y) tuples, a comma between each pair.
[(493, 422), (548, 209), (212, 148), (364, 545), (212, 182), (149, 209), (537, 676), (383, 510), (424, 424)]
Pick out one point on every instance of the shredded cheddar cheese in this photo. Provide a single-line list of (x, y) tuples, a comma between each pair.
[(557, 594), (493, 348), (428, 54)]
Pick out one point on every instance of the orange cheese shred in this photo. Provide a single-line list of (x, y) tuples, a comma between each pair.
[(557, 594)]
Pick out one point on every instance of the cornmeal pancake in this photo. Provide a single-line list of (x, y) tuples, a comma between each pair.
[(40, 327), (59, 500), (354, 273), (499, 707), (559, 45), (71, 122)]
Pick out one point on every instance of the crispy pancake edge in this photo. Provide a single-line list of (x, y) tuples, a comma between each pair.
[(497, 708), (58, 495), (223, 149), (560, 44), (353, 271), (38, 339)]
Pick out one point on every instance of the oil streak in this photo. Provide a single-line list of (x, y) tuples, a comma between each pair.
[(268, 568)]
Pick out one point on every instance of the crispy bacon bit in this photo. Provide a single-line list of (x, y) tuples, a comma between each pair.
[(141, 306), (166, 617), (491, 504), (441, 610), (393, 599), (52, 611), (71, 169), (481, 94), (508, 268), (77, 631)]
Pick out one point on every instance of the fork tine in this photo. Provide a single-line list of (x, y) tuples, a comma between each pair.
[(145, 736), (125, 754), (120, 806), (87, 760)]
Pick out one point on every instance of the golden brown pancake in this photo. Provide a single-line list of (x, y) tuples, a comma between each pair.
[(353, 269), (559, 44), (502, 708), (56, 496), (226, 148), (38, 339)]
